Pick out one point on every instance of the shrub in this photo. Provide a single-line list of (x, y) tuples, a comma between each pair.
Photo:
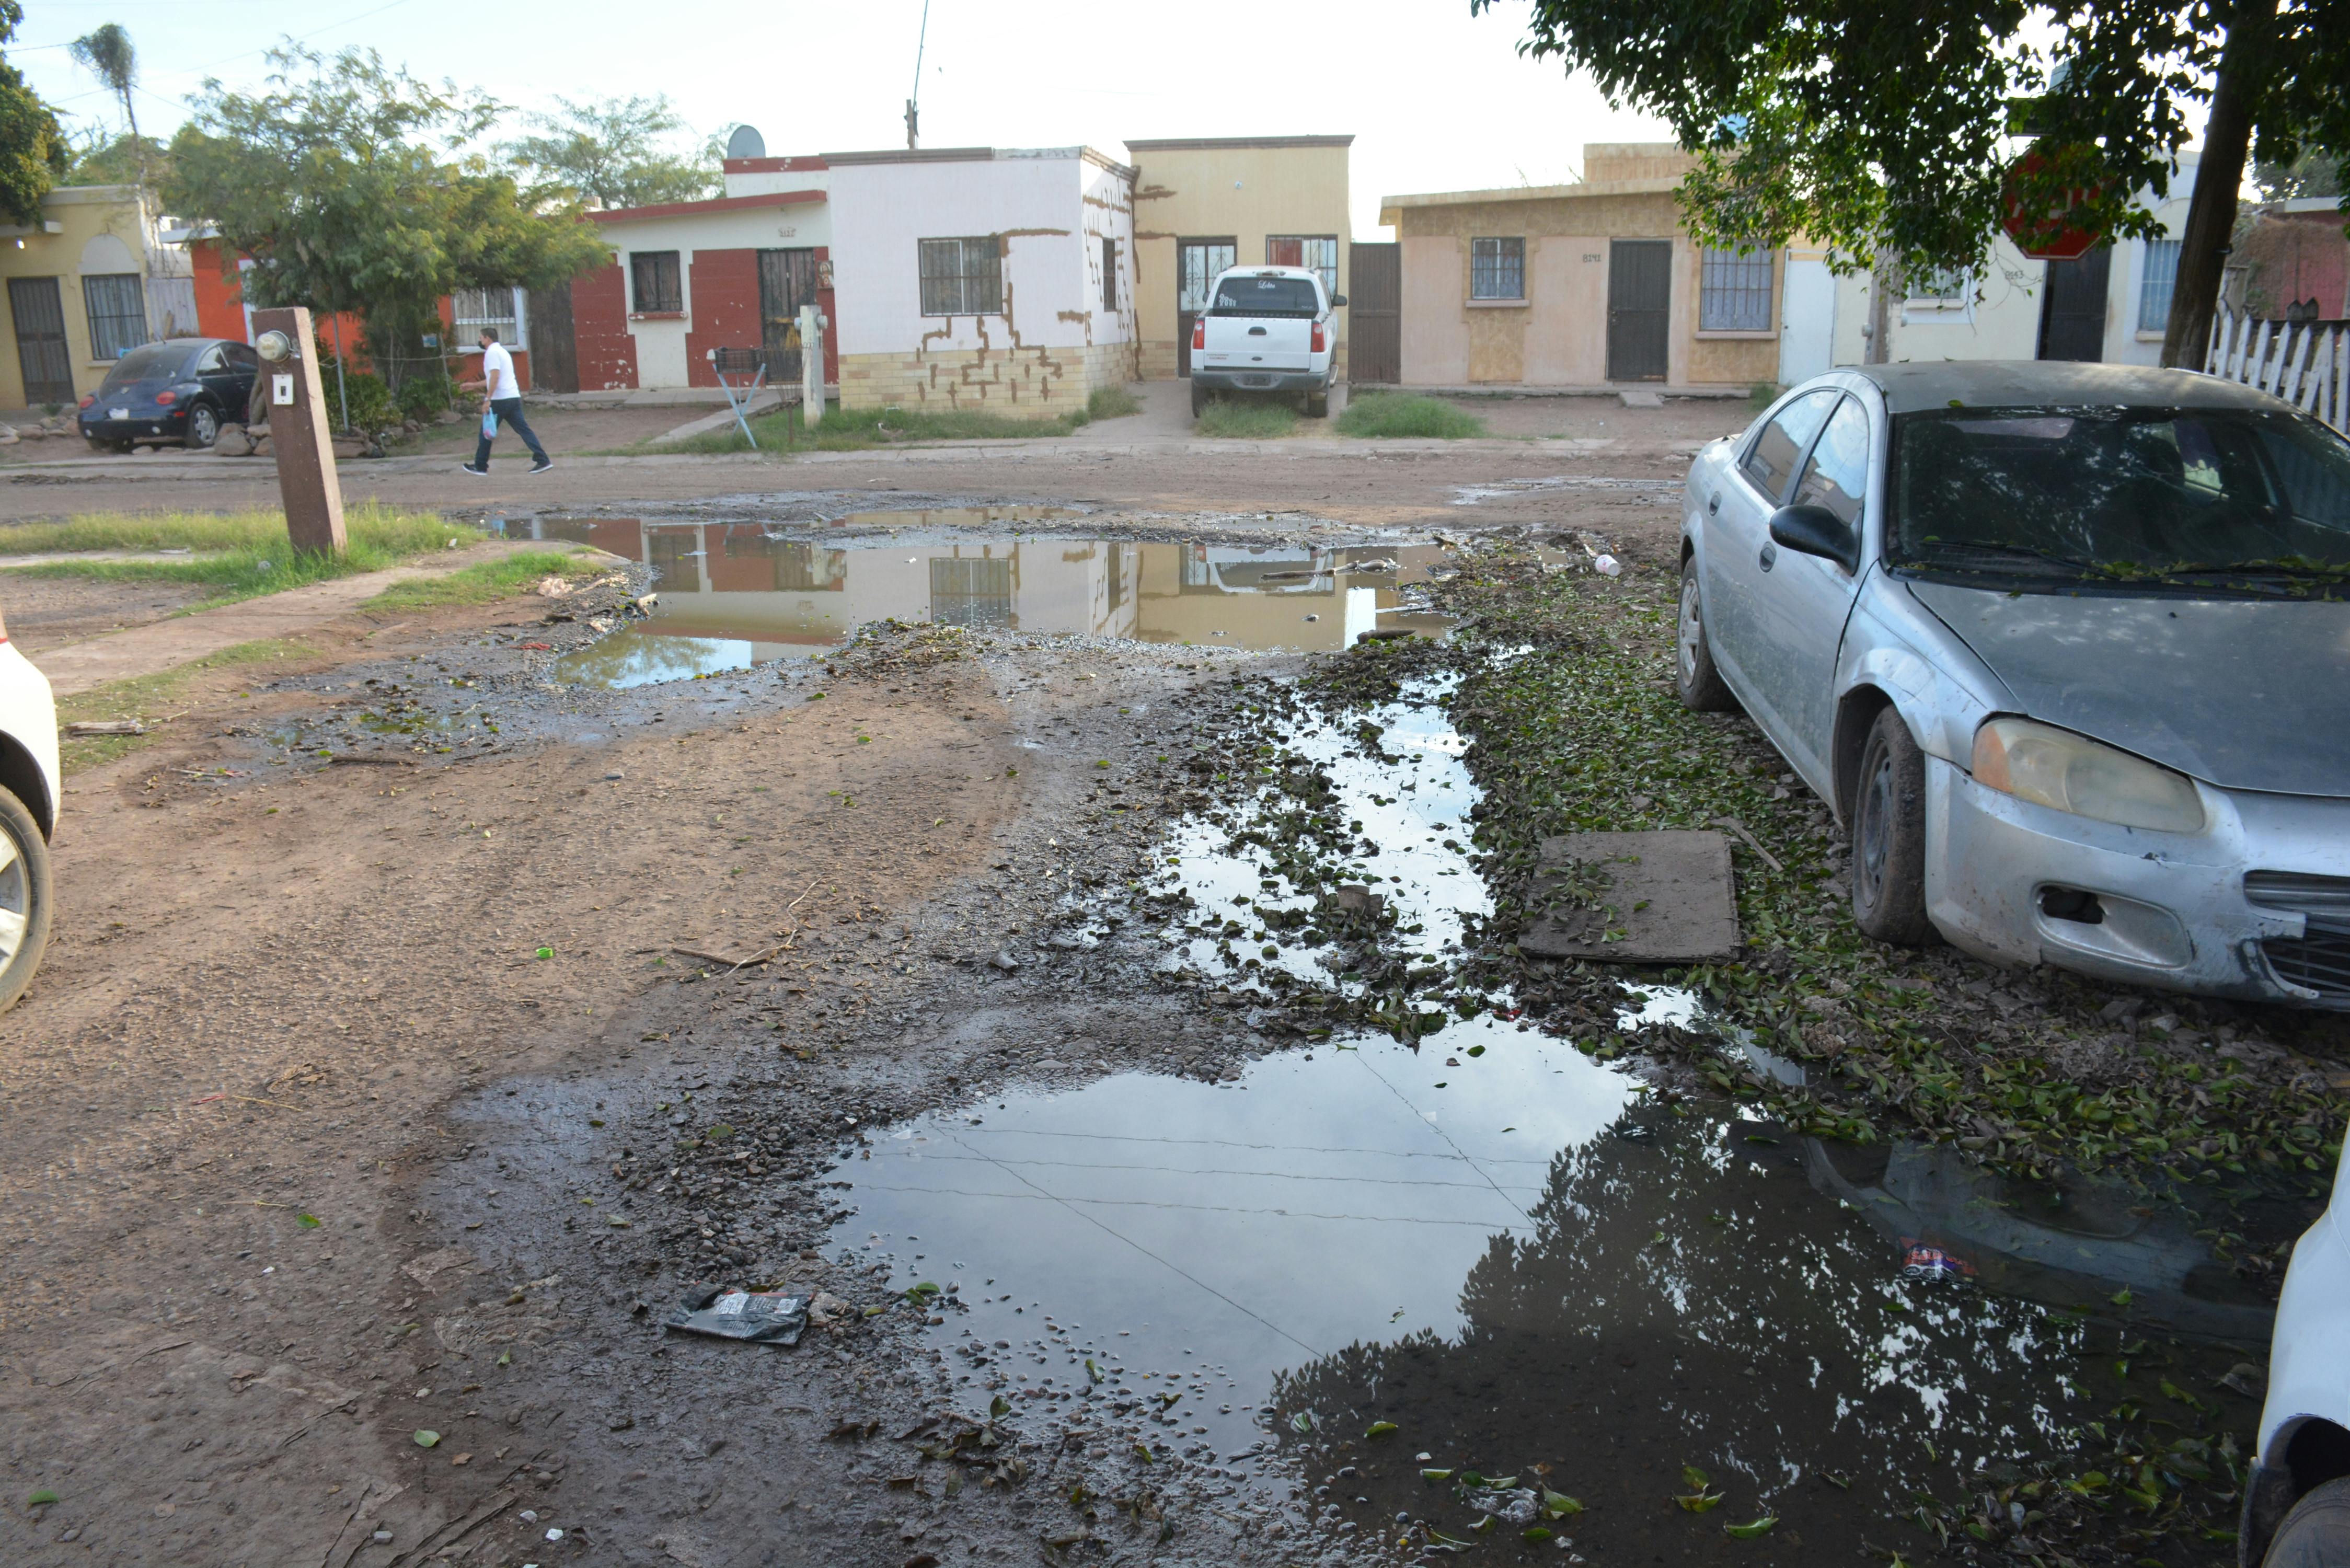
[(425, 398), (1111, 403), (364, 400)]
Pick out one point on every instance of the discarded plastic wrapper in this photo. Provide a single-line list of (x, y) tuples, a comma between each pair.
[(1930, 1264), (768, 1317)]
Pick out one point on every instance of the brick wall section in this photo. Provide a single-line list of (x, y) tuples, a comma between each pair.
[(722, 295), (599, 329), (1020, 383)]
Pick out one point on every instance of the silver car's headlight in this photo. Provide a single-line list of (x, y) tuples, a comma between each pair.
[(2053, 767)]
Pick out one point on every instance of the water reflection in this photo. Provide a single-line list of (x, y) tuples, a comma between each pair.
[(737, 594)]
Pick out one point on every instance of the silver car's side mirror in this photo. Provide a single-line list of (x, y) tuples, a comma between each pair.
[(1816, 531)]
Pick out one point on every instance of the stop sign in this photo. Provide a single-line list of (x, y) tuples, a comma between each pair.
[(2046, 230)]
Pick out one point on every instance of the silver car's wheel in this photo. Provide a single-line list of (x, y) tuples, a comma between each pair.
[(2316, 1534), (1702, 686), (1888, 836), (24, 899)]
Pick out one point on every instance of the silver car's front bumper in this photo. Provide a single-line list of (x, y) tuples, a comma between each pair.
[(2019, 883)]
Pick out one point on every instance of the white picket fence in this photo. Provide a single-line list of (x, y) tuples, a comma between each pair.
[(2306, 363)]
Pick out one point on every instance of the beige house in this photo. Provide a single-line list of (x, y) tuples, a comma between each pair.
[(92, 280), (1202, 204), (1594, 284)]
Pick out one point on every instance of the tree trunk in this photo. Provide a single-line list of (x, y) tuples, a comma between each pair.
[(2219, 177)]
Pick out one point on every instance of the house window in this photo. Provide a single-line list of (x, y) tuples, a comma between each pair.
[(658, 289), (963, 277), (1317, 252), (1497, 269), (2156, 283), (1734, 291), (1109, 274), (118, 312), (1944, 288), (495, 308)]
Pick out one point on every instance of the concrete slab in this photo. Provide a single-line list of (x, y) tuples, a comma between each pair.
[(1638, 400), (767, 399), (1635, 898)]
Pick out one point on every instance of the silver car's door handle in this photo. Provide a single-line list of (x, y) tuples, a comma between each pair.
[(1769, 556), (1713, 504)]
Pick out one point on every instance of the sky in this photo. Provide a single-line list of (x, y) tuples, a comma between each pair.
[(1436, 100)]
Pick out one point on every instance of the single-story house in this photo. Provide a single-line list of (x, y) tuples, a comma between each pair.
[(93, 279)]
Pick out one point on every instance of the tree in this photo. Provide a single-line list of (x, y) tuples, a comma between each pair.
[(2316, 172), (102, 160), (106, 52), (610, 153), (1880, 128), (347, 183), (33, 152)]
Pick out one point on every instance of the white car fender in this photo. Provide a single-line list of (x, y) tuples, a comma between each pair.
[(28, 718)]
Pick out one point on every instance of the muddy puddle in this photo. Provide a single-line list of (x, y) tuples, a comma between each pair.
[(733, 594), (1517, 1254)]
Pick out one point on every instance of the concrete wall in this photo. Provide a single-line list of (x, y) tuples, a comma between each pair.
[(1557, 335), (108, 225), (1053, 342), (718, 276), (1249, 189)]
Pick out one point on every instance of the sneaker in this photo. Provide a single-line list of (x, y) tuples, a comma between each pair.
[(470, 468), (542, 465)]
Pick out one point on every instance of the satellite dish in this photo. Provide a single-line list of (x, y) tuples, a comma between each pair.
[(746, 142)]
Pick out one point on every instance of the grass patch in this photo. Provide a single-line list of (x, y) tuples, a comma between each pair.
[(485, 580), (1246, 421), (149, 698), (859, 430), (1111, 403), (238, 556), (1391, 415), (1763, 394)]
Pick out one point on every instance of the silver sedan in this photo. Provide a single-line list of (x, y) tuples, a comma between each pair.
[(2067, 649)]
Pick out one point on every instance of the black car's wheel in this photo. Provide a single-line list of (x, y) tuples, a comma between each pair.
[(1199, 400), (1700, 684), (1888, 836), (2316, 1533), (24, 899), (203, 426)]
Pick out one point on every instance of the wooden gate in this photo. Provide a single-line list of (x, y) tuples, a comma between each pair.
[(2073, 308), (1375, 313), (787, 282), (1197, 262), (1640, 309), (41, 339), (554, 350)]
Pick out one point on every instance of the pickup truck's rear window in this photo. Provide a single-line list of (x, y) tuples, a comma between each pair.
[(1245, 295)]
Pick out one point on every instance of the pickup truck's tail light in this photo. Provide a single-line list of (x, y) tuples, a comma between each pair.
[(1199, 334), (167, 397), (1319, 341)]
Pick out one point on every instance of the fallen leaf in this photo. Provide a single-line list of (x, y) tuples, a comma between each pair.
[(1382, 1429), (1749, 1532), (307, 1221), (43, 1496), (426, 1437)]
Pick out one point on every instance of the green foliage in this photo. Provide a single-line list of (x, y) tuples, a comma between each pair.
[(1407, 414), (1865, 129), (341, 179), (1763, 394), (33, 150), (425, 398), (106, 52), (856, 429), (102, 160), (1110, 403), (239, 555), (2316, 172), (610, 154), (486, 580), (1246, 421)]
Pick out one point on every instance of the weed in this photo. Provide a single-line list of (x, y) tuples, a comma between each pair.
[(150, 697), (1111, 403), (1399, 414), (1246, 421), (1763, 394), (485, 580), (856, 429), (242, 556)]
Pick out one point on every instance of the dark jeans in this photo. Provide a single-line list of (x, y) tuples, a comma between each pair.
[(509, 412)]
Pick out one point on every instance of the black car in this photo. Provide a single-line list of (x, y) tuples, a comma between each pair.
[(181, 390)]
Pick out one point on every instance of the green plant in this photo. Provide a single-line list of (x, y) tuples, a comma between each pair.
[(1111, 403), (366, 401), (1246, 421), (425, 398), (1763, 394), (1401, 414)]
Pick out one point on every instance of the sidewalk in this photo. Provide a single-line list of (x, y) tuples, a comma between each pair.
[(167, 644)]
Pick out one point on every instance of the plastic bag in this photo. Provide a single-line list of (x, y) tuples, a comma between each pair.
[(489, 424), (768, 1317)]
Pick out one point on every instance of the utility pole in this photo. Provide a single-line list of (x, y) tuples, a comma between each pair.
[(913, 113), (812, 326), (299, 431)]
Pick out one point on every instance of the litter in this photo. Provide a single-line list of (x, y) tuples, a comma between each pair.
[(106, 727), (1608, 567), (1928, 1265), (768, 1317)]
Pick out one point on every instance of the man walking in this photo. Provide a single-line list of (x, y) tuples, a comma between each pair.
[(504, 397)]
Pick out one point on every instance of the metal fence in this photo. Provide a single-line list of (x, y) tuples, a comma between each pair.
[(2306, 363)]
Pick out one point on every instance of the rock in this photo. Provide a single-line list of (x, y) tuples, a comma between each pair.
[(233, 441), (33, 433), (1004, 961), (261, 448), (8, 436)]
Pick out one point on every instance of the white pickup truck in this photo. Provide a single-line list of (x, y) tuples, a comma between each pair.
[(1266, 329)]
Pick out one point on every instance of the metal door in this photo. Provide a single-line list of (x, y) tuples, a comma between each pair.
[(1375, 313), (2073, 308), (1197, 262), (787, 282), (1640, 309), (40, 317), (554, 347)]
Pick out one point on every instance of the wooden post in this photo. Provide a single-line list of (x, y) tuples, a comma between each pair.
[(812, 324), (300, 434)]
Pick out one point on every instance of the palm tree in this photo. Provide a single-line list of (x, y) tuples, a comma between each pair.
[(107, 52)]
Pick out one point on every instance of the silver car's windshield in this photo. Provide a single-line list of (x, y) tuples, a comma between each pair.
[(2195, 497)]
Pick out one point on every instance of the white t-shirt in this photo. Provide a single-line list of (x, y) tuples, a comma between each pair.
[(498, 369)]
